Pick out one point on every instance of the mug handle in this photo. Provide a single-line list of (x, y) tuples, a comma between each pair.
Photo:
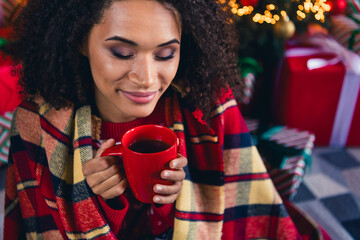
[(112, 151)]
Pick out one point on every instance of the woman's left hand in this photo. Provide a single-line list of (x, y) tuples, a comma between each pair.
[(166, 194)]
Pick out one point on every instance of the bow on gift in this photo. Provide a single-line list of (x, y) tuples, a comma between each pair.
[(351, 84)]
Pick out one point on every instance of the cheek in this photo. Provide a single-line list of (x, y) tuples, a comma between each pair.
[(97, 67), (104, 69), (170, 71)]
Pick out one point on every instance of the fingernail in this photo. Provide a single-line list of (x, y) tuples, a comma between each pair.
[(173, 164), (159, 188), (166, 174), (157, 199)]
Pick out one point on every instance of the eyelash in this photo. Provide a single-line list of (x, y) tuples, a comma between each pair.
[(129, 56), (118, 55), (165, 58)]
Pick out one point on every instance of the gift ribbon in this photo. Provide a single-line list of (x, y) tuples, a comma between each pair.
[(345, 109), (349, 92)]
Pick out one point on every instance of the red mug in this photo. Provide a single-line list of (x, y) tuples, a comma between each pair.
[(146, 151)]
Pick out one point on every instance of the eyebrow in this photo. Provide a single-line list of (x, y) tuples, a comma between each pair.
[(132, 43)]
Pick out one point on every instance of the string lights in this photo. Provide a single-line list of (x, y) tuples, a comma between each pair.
[(318, 9), (237, 9), (273, 14)]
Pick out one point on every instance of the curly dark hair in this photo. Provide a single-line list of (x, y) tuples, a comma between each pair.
[(48, 35)]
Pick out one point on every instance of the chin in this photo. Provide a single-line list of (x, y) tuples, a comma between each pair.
[(140, 110), (142, 114)]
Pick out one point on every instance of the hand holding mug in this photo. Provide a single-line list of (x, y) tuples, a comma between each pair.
[(105, 175), (152, 165), (168, 193)]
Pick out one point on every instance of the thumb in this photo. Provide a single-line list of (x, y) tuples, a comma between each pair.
[(105, 145)]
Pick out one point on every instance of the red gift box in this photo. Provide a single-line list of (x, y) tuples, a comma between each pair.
[(9, 97), (309, 99)]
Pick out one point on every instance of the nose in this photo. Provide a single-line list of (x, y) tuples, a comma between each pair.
[(144, 72)]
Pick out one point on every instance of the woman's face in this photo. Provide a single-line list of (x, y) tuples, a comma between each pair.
[(134, 54)]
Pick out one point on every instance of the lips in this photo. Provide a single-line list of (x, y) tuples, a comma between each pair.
[(140, 97)]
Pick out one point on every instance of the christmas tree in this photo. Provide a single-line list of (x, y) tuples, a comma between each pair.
[(263, 27)]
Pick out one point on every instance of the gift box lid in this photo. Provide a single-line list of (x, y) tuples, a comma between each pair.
[(280, 143)]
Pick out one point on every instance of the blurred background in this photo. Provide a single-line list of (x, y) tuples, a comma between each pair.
[(300, 67)]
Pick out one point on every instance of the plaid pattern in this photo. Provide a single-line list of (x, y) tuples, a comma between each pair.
[(227, 193)]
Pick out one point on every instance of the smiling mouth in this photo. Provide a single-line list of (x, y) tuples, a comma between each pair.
[(140, 97)]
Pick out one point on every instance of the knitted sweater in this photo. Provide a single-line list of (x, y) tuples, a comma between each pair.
[(139, 220), (227, 193)]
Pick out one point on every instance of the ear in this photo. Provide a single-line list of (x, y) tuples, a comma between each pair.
[(83, 48)]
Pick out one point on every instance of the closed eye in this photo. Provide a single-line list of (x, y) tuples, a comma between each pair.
[(122, 52), (165, 54), (121, 56), (164, 58)]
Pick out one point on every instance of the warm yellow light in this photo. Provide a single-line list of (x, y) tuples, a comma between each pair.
[(267, 13), (301, 7), (276, 17), (257, 17), (241, 12), (300, 14), (283, 13), (307, 6), (327, 7), (234, 10), (270, 7), (273, 21)]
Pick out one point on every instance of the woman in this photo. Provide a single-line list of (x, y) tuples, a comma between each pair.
[(92, 70)]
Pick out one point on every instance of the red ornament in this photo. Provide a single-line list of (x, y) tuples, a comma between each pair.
[(337, 6), (252, 3)]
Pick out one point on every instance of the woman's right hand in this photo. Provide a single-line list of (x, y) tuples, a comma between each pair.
[(105, 175)]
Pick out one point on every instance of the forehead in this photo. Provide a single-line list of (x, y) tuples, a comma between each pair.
[(139, 19)]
